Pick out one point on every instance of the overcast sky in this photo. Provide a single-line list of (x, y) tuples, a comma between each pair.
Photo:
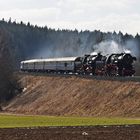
[(104, 15)]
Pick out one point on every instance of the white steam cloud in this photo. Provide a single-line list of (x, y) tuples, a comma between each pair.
[(109, 47)]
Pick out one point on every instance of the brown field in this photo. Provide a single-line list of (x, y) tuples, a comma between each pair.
[(72, 133)]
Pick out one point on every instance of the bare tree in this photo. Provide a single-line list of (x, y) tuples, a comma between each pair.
[(8, 82)]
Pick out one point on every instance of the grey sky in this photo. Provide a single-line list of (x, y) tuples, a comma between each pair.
[(104, 15)]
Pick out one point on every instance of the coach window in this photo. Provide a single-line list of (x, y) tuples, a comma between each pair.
[(65, 64)]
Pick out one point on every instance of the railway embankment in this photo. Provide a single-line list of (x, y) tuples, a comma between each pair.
[(76, 96)]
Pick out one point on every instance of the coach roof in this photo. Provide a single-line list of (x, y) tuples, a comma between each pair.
[(65, 59)]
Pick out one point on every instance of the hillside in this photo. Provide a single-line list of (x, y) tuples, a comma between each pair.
[(50, 95)]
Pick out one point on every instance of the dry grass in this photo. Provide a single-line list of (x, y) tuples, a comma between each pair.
[(73, 96)]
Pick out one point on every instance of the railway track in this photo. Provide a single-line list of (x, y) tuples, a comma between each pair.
[(122, 79)]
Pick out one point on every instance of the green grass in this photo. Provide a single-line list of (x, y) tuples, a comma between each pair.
[(7, 121)]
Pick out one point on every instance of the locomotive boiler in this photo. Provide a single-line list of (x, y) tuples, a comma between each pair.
[(93, 64), (120, 64)]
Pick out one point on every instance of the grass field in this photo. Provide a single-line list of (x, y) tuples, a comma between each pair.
[(7, 121)]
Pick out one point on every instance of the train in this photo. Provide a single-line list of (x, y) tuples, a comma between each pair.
[(117, 64)]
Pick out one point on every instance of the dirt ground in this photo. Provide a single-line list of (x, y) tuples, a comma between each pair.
[(131, 132)]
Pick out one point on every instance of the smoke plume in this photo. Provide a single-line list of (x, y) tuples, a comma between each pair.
[(109, 47)]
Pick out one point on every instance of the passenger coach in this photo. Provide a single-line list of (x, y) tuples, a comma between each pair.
[(67, 64)]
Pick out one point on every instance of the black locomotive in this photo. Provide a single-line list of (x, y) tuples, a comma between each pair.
[(112, 65)]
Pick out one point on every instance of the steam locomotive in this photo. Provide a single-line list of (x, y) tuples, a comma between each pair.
[(111, 65)]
